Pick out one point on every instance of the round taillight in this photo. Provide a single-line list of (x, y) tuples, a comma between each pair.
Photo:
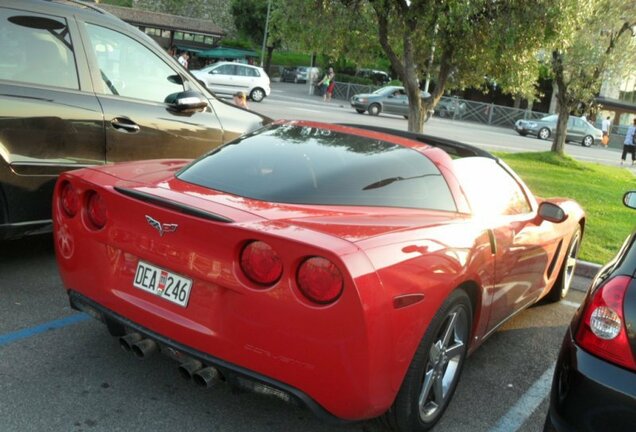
[(96, 210), (605, 323), (69, 199), (320, 280), (261, 263)]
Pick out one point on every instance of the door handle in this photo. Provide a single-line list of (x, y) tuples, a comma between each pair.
[(125, 124)]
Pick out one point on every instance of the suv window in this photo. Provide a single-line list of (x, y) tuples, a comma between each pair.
[(130, 69), (490, 189), (27, 50)]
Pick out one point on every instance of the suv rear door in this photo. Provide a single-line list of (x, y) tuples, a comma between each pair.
[(50, 120)]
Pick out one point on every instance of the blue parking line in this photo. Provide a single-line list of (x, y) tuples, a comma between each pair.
[(8, 338)]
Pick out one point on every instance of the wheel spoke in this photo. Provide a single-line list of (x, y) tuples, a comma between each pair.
[(438, 391), (426, 388), (455, 350), (450, 330)]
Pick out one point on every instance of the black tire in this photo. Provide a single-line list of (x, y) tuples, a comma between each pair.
[(443, 113), (523, 133), (359, 111), (544, 133), (257, 95), (563, 281), (434, 372), (588, 140), (374, 109)]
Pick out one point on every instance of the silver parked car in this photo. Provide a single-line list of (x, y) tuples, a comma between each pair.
[(579, 130), (389, 99)]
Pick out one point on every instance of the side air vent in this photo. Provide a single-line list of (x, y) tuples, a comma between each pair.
[(166, 203)]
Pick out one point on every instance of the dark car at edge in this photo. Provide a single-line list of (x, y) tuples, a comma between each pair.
[(594, 384), (79, 88)]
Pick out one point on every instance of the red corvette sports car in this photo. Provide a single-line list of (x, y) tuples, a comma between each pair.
[(348, 269)]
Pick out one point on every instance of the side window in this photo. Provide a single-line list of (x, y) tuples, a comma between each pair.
[(130, 69), (36, 49), (490, 189), (224, 70)]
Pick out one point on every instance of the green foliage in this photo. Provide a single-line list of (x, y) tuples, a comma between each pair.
[(250, 17), (597, 188), (340, 77), (245, 44), (287, 58)]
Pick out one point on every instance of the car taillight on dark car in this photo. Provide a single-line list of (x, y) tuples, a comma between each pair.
[(320, 280), (261, 263), (96, 211), (602, 329), (69, 199)]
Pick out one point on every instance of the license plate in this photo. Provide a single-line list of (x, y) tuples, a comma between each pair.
[(165, 284)]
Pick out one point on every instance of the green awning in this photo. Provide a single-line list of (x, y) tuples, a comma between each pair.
[(229, 53), (189, 49)]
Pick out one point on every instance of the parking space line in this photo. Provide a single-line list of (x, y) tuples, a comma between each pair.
[(526, 405), (571, 304), (8, 338)]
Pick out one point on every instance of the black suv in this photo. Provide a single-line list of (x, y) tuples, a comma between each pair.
[(79, 87)]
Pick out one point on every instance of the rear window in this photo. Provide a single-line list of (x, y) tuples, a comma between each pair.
[(306, 165)]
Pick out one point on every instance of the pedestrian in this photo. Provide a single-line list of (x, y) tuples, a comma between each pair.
[(629, 145), (172, 52), (328, 83), (605, 128), (240, 99), (183, 59)]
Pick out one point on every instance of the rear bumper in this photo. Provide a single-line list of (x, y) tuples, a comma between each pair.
[(590, 394), (235, 375)]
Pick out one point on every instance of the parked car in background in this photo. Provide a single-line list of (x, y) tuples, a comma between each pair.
[(227, 78), (389, 100), (578, 129), (351, 269), (377, 76), (450, 107), (79, 87), (299, 74), (594, 385)]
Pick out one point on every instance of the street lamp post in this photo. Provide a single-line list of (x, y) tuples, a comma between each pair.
[(269, 6)]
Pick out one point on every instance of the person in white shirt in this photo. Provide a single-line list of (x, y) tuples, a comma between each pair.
[(183, 59), (605, 128)]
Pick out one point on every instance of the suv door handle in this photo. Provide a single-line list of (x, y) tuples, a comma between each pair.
[(125, 124)]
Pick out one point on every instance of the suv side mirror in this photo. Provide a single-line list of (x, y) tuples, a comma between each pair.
[(187, 102), (629, 199), (551, 212)]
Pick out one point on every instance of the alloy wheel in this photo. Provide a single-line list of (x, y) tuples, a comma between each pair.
[(444, 361)]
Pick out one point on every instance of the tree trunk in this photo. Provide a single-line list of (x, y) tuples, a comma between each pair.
[(268, 59), (564, 105), (561, 131)]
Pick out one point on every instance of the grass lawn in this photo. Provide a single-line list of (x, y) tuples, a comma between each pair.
[(597, 188)]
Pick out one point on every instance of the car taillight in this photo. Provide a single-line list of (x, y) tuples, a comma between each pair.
[(69, 199), (320, 280), (602, 329), (96, 210), (261, 263)]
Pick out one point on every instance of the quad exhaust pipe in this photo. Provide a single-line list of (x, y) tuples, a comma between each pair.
[(135, 343), (188, 368)]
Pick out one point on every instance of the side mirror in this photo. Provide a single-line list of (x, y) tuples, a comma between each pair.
[(551, 212), (187, 102), (629, 199)]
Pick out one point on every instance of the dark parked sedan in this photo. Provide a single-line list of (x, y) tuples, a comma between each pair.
[(578, 130), (594, 386), (79, 87), (389, 99)]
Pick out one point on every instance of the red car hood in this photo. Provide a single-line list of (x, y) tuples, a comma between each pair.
[(351, 223)]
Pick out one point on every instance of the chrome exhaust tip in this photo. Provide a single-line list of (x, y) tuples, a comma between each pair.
[(188, 368), (144, 348), (206, 377), (126, 342)]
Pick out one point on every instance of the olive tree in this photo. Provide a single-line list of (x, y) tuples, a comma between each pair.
[(473, 40), (597, 43)]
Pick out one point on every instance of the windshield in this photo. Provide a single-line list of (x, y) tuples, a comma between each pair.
[(386, 90), (308, 165)]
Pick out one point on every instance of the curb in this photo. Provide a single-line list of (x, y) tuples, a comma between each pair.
[(586, 269)]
